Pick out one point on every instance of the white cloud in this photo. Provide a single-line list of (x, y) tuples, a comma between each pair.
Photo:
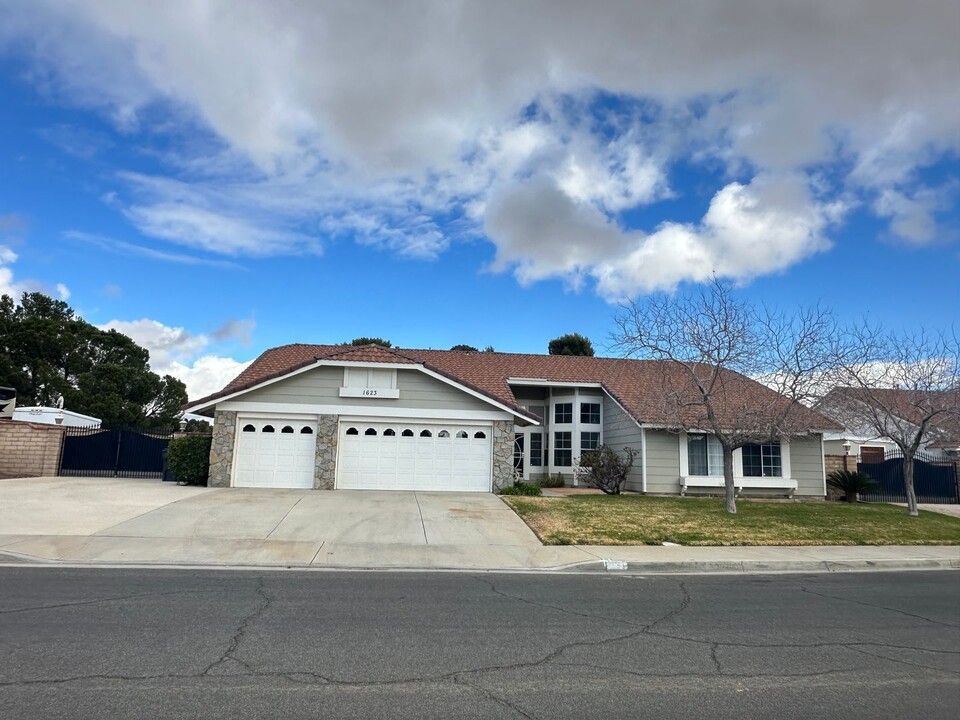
[(748, 230), (125, 248), (178, 352), (914, 217), (374, 124), (207, 374)]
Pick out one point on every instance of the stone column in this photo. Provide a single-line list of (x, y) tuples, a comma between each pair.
[(221, 448), (503, 433), (325, 468)]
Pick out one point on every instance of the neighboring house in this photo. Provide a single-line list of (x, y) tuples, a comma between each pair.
[(55, 416), (901, 411), (376, 418)]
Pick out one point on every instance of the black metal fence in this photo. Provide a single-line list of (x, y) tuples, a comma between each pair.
[(934, 479), (115, 453)]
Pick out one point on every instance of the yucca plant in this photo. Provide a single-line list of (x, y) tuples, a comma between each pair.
[(851, 483)]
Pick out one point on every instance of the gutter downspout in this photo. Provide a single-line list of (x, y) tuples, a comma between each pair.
[(643, 459)]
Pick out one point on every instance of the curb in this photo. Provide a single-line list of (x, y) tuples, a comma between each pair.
[(758, 567), (591, 567)]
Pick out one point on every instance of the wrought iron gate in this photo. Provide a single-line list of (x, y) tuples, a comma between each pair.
[(934, 479), (116, 453)]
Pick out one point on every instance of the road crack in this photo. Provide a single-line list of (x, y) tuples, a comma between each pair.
[(241, 631)]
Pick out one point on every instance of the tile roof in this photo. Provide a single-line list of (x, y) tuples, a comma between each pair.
[(909, 405), (638, 385)]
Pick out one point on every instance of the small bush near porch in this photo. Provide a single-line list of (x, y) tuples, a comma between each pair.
[(644, 520)]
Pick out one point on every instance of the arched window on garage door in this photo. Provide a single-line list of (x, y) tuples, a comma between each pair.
[(306, 430), (389, 432), (267, 429), (370, 431), (426, 433), (443, 434), (407, 433), (461, 434), (287, 430), (249, 428), (352, 431), (479, 435)]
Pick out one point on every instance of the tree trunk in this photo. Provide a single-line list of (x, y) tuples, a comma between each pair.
[(730, 490), (908, 484)]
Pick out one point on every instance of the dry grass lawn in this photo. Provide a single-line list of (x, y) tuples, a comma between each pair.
[(644, 520)]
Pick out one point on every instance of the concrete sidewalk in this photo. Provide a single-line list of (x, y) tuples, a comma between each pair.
[(111, 521), (109, 550)]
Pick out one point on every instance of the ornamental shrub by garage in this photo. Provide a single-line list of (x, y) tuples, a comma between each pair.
[(189, 459)]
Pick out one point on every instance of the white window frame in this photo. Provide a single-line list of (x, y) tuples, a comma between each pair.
[(711, 439), (590, 401), (786, 469)]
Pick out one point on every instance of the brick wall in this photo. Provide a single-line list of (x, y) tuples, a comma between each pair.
[(29, 449), (840, 462)]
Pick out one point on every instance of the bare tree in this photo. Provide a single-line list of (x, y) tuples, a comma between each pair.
[(711, 344), (902, 386)]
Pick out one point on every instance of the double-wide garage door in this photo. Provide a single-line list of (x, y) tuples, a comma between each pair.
[(414, 456)]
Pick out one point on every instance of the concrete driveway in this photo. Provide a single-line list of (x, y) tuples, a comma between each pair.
[(122, 520)]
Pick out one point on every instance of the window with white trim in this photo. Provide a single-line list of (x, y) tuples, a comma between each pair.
[(704, 456), (563, 413), (589, 440), (563, 449), (762, 460), (590, 413), (536, 449)]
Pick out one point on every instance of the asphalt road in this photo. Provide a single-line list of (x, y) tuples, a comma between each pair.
[(103, 644)]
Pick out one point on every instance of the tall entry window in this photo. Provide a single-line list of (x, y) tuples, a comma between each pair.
[(563, 449), (536, 449)]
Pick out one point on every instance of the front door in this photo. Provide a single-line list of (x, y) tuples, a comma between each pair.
[(518, 455)]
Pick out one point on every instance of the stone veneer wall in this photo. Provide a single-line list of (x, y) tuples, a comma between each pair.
[(325, 467), (29, 449), (221, 449), (503, 437)]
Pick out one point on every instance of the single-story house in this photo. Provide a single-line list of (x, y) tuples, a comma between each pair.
[(860, 413), (369, 417)]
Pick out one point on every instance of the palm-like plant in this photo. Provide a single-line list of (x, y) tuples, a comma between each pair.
[(851, 483)]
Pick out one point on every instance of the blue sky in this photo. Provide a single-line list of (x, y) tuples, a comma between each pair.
[(216, 179)]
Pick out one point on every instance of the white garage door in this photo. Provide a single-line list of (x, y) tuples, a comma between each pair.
[(414, 456), (275, 453)]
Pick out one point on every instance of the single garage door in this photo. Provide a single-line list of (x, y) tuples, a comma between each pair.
[(414, 456), (275, 454)]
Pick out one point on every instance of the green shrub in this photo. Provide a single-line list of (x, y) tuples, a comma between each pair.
[(521, 488), (851, 483), (551, 481), (189, 459)]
